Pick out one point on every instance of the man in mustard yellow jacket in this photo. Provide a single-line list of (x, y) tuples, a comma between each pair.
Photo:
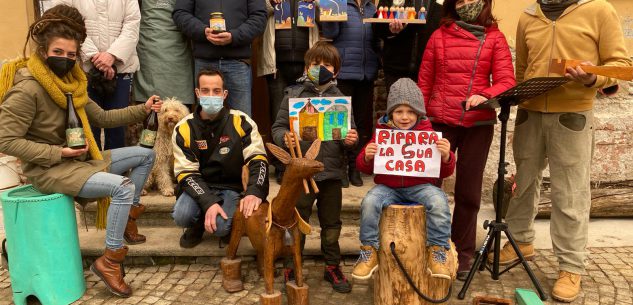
[(557, 127)]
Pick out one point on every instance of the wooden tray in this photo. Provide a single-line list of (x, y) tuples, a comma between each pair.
[(381, 20)]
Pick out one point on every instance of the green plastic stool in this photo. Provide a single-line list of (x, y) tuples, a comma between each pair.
[(43, 246)]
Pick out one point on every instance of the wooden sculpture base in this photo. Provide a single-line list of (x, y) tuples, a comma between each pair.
[(406, 227), (297, 295), (270, 299), (231, 275)]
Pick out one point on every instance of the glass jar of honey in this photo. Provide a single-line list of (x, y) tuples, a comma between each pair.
[(216, 22)]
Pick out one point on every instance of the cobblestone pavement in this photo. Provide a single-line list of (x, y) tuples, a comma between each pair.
[(609, 280)]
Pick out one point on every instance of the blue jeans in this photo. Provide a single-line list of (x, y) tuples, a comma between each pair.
[(237, 80), (187, 212), (438, 214), (114, 137), (125, 191)]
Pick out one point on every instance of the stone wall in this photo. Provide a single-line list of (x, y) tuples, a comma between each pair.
[(613, 151)]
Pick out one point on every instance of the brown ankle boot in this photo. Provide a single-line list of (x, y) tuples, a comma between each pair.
[(131, 230), (109, 268)]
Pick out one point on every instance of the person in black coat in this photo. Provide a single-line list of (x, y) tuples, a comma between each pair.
[(403, 45), (228, 51)]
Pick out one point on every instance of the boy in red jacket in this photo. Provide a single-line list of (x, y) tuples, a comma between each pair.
[(405, 111)]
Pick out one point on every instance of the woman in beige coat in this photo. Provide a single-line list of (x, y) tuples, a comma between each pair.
[(33, 115), (108, 55)]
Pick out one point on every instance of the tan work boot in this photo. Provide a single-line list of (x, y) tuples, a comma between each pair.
[(567, 287), (507, 255), (366, 264), (438, 262)]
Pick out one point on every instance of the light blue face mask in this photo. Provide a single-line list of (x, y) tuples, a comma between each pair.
[(211, 104)]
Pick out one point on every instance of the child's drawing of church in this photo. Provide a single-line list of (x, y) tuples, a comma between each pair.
[(326, 118)]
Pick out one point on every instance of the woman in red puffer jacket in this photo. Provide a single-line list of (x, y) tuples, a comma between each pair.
[(466, 59)]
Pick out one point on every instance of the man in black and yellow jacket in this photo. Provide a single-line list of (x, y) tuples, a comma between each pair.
[(210, 148)]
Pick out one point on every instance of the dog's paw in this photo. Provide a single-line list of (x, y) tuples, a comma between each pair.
[(167, 192), (144, 192)]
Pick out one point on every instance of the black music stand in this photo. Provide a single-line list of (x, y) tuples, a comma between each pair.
[(513, 96)]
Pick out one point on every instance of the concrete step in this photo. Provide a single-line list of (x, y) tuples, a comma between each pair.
[(164, 242), (159, 207)]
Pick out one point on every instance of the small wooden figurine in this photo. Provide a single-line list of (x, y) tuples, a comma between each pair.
[(275, 228), (411, 13), (422, 14), (408, 14)]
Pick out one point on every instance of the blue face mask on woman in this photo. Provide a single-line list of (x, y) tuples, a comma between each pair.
[(211, 104)]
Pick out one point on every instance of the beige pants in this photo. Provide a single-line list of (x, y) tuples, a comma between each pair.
[(564, 140)]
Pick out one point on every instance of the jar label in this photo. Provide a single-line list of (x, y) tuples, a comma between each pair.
[(75, 137), (217, 25), (148, 138)]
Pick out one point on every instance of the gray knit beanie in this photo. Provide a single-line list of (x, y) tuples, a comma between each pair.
[(406, 92)]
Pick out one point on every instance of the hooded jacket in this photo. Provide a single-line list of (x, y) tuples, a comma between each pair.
[(588, 30), (393, 181), (332, 152), (457, 65), (33, 129)]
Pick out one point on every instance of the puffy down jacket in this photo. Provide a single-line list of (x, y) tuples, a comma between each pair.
[(393, 181), (456, 65), (113, 27), (355, 42)]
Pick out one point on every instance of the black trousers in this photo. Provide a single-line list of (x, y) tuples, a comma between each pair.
[(471, 146), (362, 93), (329, 202)]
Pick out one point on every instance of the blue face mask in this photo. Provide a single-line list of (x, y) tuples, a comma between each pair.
[(211, 104)]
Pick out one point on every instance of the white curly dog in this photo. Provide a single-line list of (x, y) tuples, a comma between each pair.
[(162, 175)]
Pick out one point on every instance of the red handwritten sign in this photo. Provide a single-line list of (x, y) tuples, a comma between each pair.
[(407, 153)]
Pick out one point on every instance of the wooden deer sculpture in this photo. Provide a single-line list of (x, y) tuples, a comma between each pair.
[(275, 228)]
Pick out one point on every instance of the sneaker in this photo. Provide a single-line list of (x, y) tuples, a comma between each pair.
[(192, 237), (289, 275), (335, 276), (438, 263), (354, 178), (366, 264), (567, 287), (507, 255)]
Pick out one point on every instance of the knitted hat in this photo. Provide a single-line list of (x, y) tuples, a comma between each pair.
[(406, 92)]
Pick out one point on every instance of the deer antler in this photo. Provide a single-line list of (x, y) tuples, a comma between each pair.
[(295, 152)]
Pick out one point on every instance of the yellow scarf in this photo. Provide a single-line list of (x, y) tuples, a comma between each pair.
[(76, 83)]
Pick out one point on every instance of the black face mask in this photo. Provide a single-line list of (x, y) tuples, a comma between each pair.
[(60, 65)]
